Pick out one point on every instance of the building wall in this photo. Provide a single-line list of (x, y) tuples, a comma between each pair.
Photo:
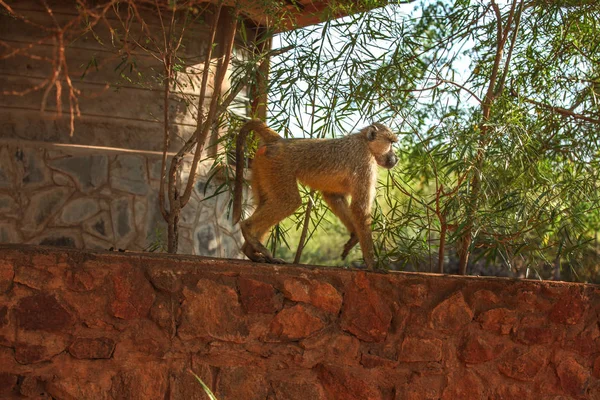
[(79, 197), (88, 325), (96, 187)]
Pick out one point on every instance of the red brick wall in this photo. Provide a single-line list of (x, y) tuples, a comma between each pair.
[(84, 325)]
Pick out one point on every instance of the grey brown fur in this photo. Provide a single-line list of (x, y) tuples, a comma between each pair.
[(339, 168)]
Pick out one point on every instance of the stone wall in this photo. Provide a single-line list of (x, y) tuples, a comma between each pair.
[(91, 198), (84, 325)]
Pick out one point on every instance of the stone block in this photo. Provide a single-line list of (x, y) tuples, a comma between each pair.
[(89, 172), (294, 323), (343, 384), (43, 205), (452, 314), (78, 210), (364, 312), (523, 364), (7, 274), (100, 226), (499, 320), (92, 348), (259, 297), (212, 311), (133, 294), (574, 378), (128, 173), (42, 312), (320, 294), (206, 242), (123, 224), (7, 204), (418, 349)]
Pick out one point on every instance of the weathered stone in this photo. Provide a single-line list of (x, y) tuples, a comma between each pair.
[(3, 316), (163, 313), (465, 387), (149, 382), (100, 226), (523, 364), (58, 237), (320, 294), (121, 210), (9, 233), (259, 297), (88, 172), (61, 179), (140, 208), (7, 204), (574, 378), (35, 174), (303, 390), (154, 166), (294, 323), (513, 391), (420, 387), (8, 382), (484, 298), (92, 348), (93, 243), (331, 347), (596, 368), (42, 206), (417, 349), (164, 279), (34, 353), (500, 320), (42, 312), (242, 383), (205, 240), (414, 295), (342, 384), (7, 169), (451, 314), (586, 342), (7, 274), (133, 294), (364, 313), (75, 388), (212, 311), (478, 347), (145, 338), (78, 210), (128, 174), (79, 280), (32, 277), (185, 386), (569, 308), (32, 387), (373, 361), (535, 329)]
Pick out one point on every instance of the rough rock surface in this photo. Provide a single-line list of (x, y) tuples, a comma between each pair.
[(82, 325)]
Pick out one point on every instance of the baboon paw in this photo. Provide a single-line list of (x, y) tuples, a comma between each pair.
[(274, 260)]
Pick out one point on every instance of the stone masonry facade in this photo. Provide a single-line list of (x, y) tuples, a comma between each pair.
[(98, 325), (97, 199)]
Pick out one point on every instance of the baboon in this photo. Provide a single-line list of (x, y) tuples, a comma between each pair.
[(338, 168)]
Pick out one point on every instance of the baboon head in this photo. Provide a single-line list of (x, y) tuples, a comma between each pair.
[(380, 139)]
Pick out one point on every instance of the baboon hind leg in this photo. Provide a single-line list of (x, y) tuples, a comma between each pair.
[(338, 203), (277, 204)]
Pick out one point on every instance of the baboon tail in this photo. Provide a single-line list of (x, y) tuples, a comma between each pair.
[(267, 135)]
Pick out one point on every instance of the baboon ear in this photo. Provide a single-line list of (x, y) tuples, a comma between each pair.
[(371, 132)]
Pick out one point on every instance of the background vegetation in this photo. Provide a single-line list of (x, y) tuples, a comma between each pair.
[(497, 107)]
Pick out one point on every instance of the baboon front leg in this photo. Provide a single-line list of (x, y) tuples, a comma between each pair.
[(338, 203), (361, 214)]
